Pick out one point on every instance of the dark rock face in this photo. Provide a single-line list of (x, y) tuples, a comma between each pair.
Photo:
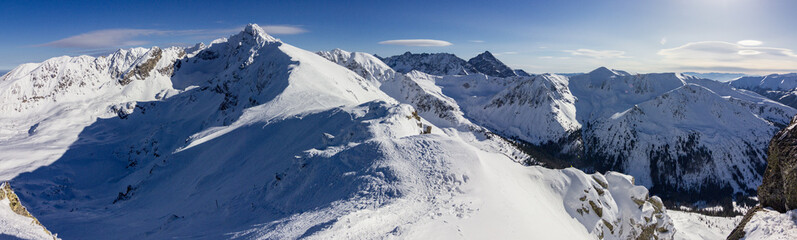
[(489, 65), (450, 64), (779, 188), (435, 63)]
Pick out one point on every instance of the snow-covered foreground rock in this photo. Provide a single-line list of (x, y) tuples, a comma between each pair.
[(252, 138), (769, 224)]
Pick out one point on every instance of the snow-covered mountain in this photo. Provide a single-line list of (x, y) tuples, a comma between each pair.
[(778, 87), (664, 129), (449, 64), (252, 138)]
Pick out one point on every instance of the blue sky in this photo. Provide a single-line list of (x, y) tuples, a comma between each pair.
[(751, 36)]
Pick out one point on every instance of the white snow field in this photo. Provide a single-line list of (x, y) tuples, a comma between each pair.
[(695, 226), (252, 138)]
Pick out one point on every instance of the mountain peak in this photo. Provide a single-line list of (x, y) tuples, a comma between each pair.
[(254, 33), (489, 65), (603, 72), (486, 54)]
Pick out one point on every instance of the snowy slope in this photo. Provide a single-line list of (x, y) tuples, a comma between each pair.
[(252, 138), (538, 110), (695, 226), (418, 90)]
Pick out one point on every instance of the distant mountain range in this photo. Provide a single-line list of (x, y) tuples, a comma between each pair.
[(778, 87), (449, 64), (722, 77)]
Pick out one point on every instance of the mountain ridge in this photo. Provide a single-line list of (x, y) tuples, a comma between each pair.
[(199, 158)]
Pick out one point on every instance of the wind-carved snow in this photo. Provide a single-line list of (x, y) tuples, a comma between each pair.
[(255, 138)]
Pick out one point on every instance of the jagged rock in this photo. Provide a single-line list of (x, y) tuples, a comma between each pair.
[(435, 63), (779, 187), (449, 64), (487, 64)]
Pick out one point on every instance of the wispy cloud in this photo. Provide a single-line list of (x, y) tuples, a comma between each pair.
[(750, 43), (599, 54), (476, 41), (115, 38), (505, 53), (744, 55), (104, 39), (417, 42)]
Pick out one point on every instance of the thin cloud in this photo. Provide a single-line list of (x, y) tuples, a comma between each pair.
[(115, 38), (724, 55), (417, 42), (599, 54), (104, 39), (476, 41), (750, 43), (506, 53)]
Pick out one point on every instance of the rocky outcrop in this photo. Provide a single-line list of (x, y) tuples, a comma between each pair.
[(779, 187), (6, 193)]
